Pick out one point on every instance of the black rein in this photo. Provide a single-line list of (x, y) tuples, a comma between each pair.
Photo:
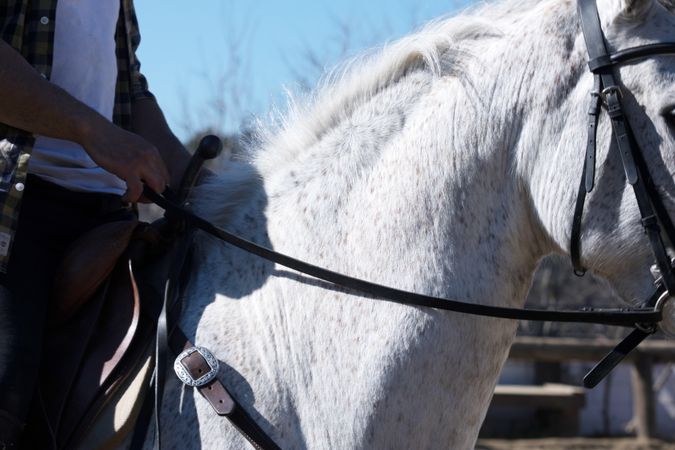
[(628, 317)]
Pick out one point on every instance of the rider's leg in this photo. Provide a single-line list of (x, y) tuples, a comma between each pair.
[(51, 219), (23, 308)]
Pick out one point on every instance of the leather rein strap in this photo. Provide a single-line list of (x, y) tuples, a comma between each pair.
[(617, 317)]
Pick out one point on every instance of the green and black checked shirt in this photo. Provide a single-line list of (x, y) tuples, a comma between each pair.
[(28, 26)]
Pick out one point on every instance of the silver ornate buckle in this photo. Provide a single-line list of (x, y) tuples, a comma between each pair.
[(184, 374)]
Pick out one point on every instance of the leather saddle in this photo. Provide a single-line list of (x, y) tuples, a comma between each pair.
[(107, 297)]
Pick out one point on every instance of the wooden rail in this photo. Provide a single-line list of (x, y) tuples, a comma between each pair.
[(557, 409), (555, 395), (572, 349)]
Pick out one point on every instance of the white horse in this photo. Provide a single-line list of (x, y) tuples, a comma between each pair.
[(447, 164)]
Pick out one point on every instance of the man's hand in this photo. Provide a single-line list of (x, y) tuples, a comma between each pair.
[(128, 156), (31, 103)]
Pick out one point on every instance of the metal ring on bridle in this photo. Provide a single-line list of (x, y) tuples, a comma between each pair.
[(658, 307), (650, 328), (661, 302)]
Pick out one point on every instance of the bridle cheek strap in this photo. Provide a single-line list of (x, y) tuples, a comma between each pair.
[(588, 178), (607, 92)]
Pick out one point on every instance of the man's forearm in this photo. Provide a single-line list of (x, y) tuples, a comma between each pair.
[(31, 103), (149, 122)]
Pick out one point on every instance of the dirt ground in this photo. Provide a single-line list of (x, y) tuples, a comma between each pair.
[(574, 444)]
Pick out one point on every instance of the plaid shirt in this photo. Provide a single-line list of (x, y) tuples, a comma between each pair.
[(28, 26)]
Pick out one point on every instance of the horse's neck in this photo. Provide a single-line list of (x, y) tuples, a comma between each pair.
[(394, 204), (416, 197), (548, 79), (446, 167), (403, 191)]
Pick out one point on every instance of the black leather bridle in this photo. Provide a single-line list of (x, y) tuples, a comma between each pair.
[(607, 94), (644, 320)]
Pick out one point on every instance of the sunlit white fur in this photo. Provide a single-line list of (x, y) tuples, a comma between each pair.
[(446, 163)]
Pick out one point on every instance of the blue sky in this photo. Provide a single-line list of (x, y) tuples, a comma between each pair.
[(242, 53)]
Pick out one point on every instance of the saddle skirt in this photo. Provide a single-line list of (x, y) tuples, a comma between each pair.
[(108, 295)]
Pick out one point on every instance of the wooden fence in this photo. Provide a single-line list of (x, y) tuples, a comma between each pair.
[(560, 350)]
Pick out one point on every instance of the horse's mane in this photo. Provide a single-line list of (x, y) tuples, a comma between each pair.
[(438, 47)]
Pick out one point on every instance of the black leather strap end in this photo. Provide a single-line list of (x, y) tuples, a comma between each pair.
[(590, 171), (575, 238), (593, 116), (602, 369), (609, 362)]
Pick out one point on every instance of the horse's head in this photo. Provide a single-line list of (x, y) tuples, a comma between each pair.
[(613, 241)]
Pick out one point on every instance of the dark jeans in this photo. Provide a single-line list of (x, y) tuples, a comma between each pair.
[(51, 219)]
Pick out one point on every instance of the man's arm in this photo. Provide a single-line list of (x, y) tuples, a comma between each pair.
[(31, 103), (148, 121)]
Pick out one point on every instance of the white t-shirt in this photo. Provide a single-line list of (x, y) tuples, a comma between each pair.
[(85, 65)]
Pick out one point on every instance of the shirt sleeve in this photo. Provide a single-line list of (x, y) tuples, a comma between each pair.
[(139, 84)]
